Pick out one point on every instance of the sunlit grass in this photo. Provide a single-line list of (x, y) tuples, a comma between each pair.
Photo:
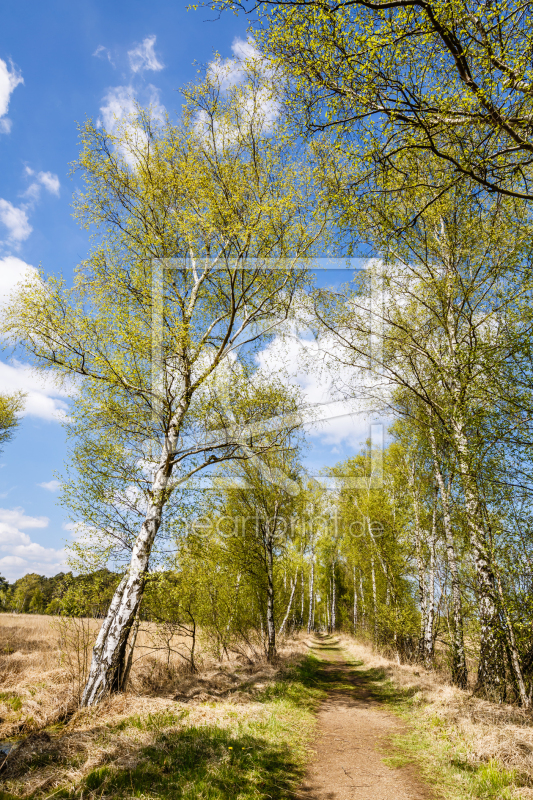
[(256, 749), (248, 759), (440, 756)]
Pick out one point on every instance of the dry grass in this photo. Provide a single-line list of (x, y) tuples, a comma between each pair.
[(42, 671), (60, 745), (473, 730)]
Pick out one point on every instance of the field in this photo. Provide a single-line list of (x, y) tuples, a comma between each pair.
[(232, 730), (231, 724)]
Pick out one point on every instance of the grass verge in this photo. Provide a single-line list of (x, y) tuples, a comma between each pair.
[(255, 749), (438, 748)]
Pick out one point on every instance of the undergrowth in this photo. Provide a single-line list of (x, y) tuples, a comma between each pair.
[(439, 751), (254, 751)]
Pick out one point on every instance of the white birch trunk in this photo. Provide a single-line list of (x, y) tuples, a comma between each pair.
[(374, 598), (430, 620), (421, 569), (459, 668), (363, 605), (271, 629), (311, 619), (354, 603), (491, 668), (286, 617), (303, 598), (333, 599), (109, 651)]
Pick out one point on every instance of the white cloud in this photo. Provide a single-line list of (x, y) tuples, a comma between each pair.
[(42, 179), (18, 553), (119, 103), (15, 218), (103, 52), (50, 182), (44, 397), (12, 272), (334, 420), (143, 57), (231, 71), (258, 105), (9, 80), (16, 221), (50, 486), (118, 114)]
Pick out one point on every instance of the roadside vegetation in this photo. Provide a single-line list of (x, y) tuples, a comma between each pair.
[(463, 746), (175, 733), (231, 730)]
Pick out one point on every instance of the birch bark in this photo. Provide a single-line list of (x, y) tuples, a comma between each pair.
[(286, 617), (459, 668), (109, 651)]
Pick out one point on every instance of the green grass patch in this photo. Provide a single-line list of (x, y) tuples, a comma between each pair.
[(255, 753), (492, 781), (430, 744), (248, 759), (152, 722), (12, 700), (400, 760)]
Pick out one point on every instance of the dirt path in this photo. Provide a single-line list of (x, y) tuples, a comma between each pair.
[(353, 729)]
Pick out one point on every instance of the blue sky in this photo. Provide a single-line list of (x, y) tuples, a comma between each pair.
[(61, 62)]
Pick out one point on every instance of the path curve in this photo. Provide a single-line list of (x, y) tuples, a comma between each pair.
[(352, 731)]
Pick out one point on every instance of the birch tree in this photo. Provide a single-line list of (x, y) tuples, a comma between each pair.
[(259, 516), (450, 79), (450, 292), (197, 225)]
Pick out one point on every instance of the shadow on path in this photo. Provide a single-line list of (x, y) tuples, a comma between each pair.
[(354, 727)]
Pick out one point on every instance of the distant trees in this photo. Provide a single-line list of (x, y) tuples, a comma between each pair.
[(86, 595)]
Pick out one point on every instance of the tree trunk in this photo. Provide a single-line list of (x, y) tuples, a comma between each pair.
[(514, 656), (131, 648), (362, 596), (231, 616), (430, 620), (293, 589), (490, 681), (303, 598), (193, 642), (333, 599), (109, 652), (271, 628), (354, 604), (459, 669), (422, 585), (311, 619), (374, 598)]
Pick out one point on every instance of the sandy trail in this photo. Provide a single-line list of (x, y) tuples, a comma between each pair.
[(353, 728)]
